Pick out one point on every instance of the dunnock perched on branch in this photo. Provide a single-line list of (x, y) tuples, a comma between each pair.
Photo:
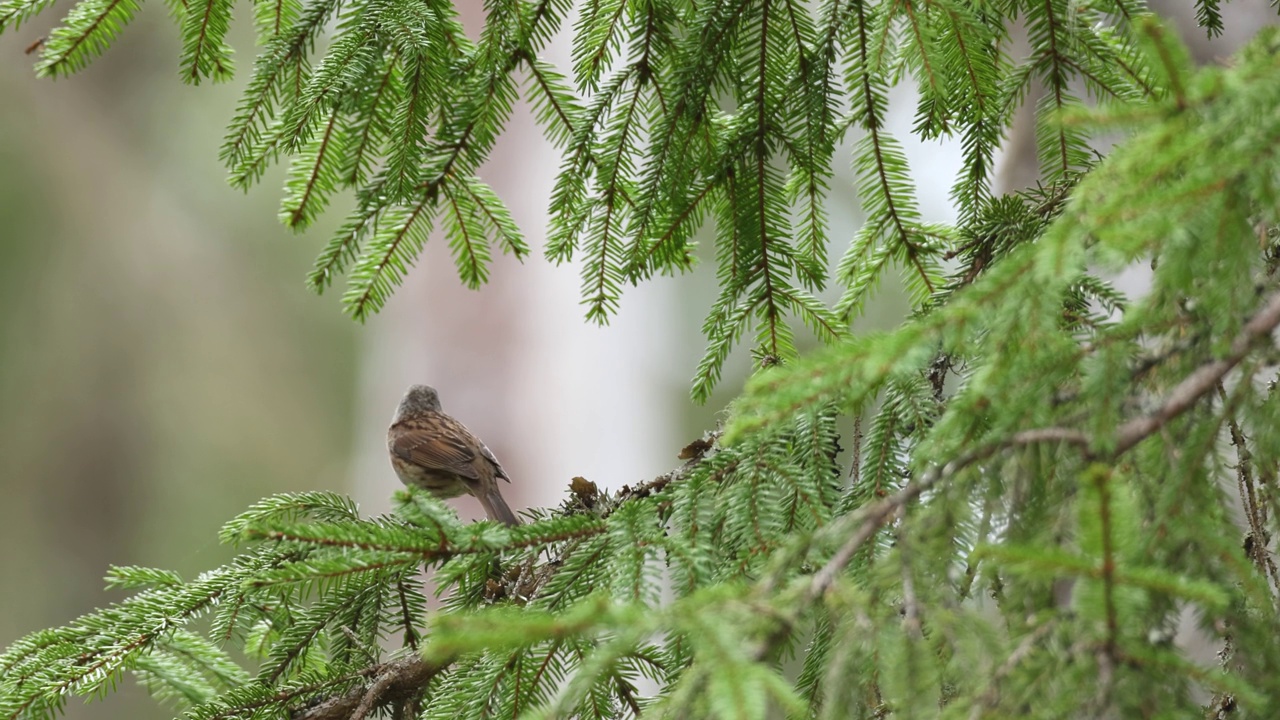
[(432, 451)]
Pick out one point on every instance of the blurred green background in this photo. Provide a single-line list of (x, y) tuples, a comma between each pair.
[(161, 364)]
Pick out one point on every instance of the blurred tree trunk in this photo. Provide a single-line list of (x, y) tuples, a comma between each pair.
[(158, 364)]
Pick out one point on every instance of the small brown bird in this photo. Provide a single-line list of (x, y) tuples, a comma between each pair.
[(432, 451)]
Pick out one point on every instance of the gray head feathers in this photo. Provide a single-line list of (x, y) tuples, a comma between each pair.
[(417, 400)]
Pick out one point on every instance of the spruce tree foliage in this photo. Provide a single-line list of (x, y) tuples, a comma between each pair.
[(1046, 481)]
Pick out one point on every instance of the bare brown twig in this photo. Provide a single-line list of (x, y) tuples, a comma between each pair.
[(1202, 381), (393, 682), (866, 521)]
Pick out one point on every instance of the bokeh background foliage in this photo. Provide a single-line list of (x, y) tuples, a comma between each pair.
[(1051, 484)]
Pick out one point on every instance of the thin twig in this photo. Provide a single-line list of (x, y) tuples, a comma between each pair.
[(1049, 434), (410, 634), (372, 696), (855, 453), (910, 602), (1199, 383), (392, 682), (1202, 380), (991, 697), (869, 518), (1108, 570), (1256, 543), (867, 521)]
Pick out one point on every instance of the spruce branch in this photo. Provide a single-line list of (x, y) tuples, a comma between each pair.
[(384, 685), (1203, 380), (862, 525), (1250, 494), (1028, 423), (1025, 648)]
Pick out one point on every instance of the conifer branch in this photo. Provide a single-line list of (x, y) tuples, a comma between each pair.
[(1108, 572), (385, 685), (372, 124), (1203, 380), (1019, 372)]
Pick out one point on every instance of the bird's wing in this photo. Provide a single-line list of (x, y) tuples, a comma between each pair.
[(436, 452), (488, 455)]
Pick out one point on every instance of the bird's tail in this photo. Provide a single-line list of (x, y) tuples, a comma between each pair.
[(496, 508)]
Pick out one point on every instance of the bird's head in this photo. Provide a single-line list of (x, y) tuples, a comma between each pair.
[(417, 400)]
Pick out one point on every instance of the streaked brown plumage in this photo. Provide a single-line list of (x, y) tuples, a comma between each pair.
[(433, 451)]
